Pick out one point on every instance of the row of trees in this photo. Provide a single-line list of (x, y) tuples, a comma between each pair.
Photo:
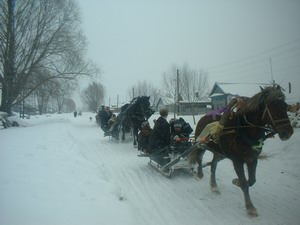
[(41, 51), (42, 54), (179, 83)]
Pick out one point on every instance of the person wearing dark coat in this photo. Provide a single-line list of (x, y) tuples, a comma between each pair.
[(143, 137), (104, 116), (160, 137)]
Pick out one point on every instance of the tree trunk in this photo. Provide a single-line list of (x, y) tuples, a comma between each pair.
[(6, 102), (9, 61)]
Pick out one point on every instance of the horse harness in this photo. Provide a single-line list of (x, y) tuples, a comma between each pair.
[(275, 122), (269, 131)]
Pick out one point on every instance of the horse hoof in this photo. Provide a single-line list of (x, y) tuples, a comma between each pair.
[(252, 212), (236, 182), (215, 190), (199, 175)]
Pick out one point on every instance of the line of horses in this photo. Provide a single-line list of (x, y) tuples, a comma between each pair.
[(262, 116)]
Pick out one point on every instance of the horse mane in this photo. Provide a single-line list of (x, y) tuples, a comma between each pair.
[(131, 107), (123, 107), (266, 95)]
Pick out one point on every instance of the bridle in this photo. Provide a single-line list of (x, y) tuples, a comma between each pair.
[(273, 127), (275, 123), (141, 111), (145, 110)]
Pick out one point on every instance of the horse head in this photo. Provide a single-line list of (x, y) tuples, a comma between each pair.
[(145, 107), (274, 111)]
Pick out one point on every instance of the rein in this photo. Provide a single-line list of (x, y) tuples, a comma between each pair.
[(134, 111), (251, 125), (144, 111), (274, 122)]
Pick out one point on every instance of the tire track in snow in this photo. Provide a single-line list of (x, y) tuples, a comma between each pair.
[(156, 198)]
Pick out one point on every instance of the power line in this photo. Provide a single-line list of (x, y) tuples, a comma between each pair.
[(280, 63), (256, 55)]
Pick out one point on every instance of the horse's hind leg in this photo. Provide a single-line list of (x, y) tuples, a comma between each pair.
[(243, 183), (200, 153), (213, 183), (123, 134)]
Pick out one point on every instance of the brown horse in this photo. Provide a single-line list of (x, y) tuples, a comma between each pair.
[(241, 141)]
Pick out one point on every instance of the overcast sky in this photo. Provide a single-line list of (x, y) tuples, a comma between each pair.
[(232, 40)]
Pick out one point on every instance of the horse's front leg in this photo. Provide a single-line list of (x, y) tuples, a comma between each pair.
[(243, 184), (213, 183), (135, 136), (251, 165), (123, 133), (200, 152)]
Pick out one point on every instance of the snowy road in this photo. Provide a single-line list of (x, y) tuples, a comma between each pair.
[(61, 170)]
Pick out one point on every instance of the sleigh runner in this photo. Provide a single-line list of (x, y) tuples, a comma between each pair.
[(173, 157)]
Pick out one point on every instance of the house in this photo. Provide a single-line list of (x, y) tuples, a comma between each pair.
[(221, 93), (192, 108), (159, 104), (189, 108)]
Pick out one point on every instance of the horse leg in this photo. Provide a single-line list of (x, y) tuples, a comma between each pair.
[(123, 133), (200, 153), (243, 184), (135, 135), (251, 165), (213, 183), (252, 172)]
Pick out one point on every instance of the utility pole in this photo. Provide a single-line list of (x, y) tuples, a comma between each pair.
[(117, 103), (272, 79), (174, 108), (177, 100)]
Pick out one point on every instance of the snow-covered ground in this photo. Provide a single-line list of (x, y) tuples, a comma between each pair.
[(60, 170)]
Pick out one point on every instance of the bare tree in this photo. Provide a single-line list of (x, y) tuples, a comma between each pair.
[(44, 91), (145, 88), (62, 92), (35, 35), (70, 105), (193, 84), (43, 94), (169, 81), (55, 89), (93, 96)]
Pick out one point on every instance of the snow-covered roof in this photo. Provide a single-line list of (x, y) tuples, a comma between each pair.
[(248, 90), (241, 89), (198, 102), (216, 94)]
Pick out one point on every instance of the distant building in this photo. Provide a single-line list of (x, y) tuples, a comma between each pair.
[(159, 104), (221, 93), (193, 108), (190, 108)]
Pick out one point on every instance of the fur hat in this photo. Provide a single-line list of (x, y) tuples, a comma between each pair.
[(163, 112)]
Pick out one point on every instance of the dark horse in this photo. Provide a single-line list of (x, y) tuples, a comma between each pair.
[(241, 141), (132, 116)]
